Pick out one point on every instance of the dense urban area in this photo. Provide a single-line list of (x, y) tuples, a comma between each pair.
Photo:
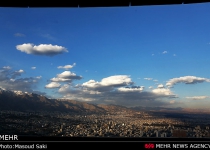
[(115, 124)]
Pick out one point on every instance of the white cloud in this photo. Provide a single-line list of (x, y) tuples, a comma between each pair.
[(33, 67), (64, 88), (60, 79), (68, 89), (7, 67), (67, 66), (73, 97), (91, 84), (42, 49), (20, 71), (17, 73), (9, 80), (19, 34), (155, 80), (116, 80), (53, 85), (118, 88), (66, 76), (125, 89), (160, 86), (12, 80), (109, 82), (163, 91), (197, 97), (150, 87), (186, 80), (164, 52), (39, 77), (148, 78)]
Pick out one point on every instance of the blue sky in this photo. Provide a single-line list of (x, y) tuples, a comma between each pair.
[(132, 56)]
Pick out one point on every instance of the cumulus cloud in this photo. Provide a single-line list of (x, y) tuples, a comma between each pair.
[(150, 87), (69, 89), (20, 71), (64, 88), (66, 76), (17, 73), (160, 86), (122, 96), (108, 83), (130, 89), (33, 68), (164, 92), (42, 49), (19, 35), (67, 66), (164, 52), (117, 80), (55, 79), (186, 80), (197, 97), (9, 80), (148, 78), (118, 89), (53, 85)]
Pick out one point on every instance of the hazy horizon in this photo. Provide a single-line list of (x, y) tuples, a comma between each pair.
[(130, 56)]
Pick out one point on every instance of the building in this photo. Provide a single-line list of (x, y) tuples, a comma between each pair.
[(179, 133), (157, 133), (163, 135)]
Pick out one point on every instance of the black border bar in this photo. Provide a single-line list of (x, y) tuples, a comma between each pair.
[(103, 3), (112, 139)]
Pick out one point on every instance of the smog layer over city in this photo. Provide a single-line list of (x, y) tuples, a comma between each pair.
[(136, 71)]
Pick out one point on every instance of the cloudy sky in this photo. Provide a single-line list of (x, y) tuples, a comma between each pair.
[(131, 56)]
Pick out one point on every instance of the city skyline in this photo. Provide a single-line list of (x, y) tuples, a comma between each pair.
[(131, 56)]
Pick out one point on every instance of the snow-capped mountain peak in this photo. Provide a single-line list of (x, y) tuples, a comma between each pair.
[(18, 92)]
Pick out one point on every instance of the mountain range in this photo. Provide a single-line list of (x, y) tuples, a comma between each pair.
[(24, 101)]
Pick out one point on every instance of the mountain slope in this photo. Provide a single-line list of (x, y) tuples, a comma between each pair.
[(19, 101)]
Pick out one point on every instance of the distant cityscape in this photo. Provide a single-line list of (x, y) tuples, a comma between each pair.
[(22, 114), (113, 124)]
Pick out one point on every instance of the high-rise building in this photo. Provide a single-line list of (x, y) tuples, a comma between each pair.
[(157, 133)]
